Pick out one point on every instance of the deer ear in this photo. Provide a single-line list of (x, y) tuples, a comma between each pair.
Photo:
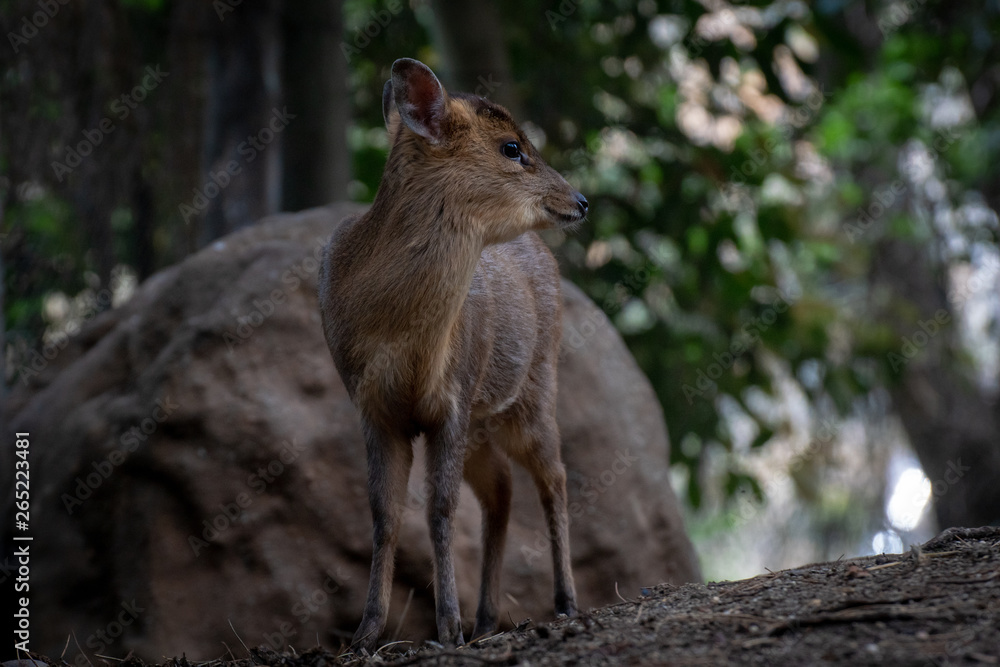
[(419, 97), (389, 112)]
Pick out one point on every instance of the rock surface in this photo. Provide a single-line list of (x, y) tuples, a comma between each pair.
[(198, 471)]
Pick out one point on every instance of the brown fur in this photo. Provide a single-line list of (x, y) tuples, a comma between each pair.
[(442, 311)]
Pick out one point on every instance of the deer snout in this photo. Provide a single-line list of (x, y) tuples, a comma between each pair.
[(569, 211), (564, 206)]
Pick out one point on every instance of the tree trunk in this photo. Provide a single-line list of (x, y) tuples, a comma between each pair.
[(470, 36), (189, 42), (242, 156), (317, 159), (953, 427), (143, 252)]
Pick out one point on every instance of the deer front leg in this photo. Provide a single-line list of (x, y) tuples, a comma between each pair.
[(445, 457), (389, 461)]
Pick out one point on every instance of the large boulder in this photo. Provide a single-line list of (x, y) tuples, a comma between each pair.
[(198, 471)]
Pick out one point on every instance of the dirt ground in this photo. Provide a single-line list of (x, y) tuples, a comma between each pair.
[(938, 604)]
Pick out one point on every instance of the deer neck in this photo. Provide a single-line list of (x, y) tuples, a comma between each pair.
[(431, 257), (421, 259)]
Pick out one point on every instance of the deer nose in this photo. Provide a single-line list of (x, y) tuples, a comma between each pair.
[(581, 203)]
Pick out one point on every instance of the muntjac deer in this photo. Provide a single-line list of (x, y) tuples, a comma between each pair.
[(442, 311)]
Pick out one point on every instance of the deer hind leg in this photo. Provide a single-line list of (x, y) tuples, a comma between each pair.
[(487, 470), (389, 461), (445, 458), (539, 454)]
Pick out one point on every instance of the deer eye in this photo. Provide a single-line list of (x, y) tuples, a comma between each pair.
[(511, 150)]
